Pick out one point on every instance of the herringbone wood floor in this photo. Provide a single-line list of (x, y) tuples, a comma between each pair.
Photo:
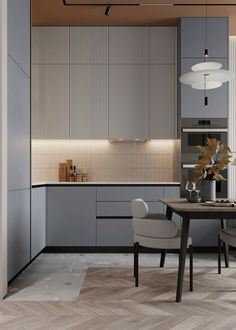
[(109, 300)]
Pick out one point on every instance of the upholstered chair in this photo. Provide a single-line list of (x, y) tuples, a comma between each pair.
[(227, 236), (157, 232)]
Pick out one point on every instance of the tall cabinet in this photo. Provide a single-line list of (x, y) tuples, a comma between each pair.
[(196, 35), (19, 73)]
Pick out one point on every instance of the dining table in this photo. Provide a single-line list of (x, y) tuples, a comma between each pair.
[(192, 212)]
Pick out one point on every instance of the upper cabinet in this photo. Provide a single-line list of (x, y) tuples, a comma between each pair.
[(50, 45), (129, 45), (198, 34), (162, 45), (89, 102), (89, 45), (50, 101), (121, 82), (19, 14), (129, 102)]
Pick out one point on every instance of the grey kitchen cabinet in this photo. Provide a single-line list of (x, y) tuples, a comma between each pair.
[(71, 216), (114, 232), (129, 45), (114, 223), (128, 193), (192, 100), (163, 115), (50, 45), (162, 45), (123, 209), (50, 101), (89, 102), (19, 25), (200, 33), (129, 102), (18, 231), (38, 220), (18, 127), (89, 45)]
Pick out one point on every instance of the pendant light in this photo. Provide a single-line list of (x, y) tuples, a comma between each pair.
[(206, 75)]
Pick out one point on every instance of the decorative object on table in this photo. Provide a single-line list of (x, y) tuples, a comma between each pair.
[(85, 175), (220, 203), (190, 187), (213, 160)]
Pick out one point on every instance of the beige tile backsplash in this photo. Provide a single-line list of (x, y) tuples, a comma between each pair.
[(151, 161)]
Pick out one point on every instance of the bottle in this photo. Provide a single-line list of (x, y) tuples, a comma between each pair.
[(75, 173), (71, 174)]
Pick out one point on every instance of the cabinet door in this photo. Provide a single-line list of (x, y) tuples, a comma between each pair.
[(89, 102), (128, 45), (38, 220), (192, 100), (114, 232), (129, 102), (162, 102), (89, 45), (50, 45), (71, 217), (19, 24), (50, 101), (18, 231), (18, 127), (194, 38), (162, 45)]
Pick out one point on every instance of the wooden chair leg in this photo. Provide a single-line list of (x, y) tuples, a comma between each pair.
[(163, 256), (191, 267), (219, 255), (136, 251)]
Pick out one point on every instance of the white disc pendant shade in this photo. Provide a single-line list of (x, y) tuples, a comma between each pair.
[(206, 75)]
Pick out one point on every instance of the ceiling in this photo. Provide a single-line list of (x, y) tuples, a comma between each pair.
[(54, 13)]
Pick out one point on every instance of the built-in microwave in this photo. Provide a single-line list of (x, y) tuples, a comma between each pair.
[(195, 132)]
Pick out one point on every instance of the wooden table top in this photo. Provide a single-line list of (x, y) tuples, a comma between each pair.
[(182, 206)]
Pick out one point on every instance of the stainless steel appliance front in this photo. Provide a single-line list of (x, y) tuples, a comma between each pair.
[(195, 132)]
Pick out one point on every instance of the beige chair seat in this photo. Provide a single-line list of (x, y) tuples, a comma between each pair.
[(158, 243)]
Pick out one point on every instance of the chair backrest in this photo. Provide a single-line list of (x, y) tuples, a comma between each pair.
[(139, 208)]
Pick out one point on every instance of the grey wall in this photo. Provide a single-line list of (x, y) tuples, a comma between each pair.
[(19, 176)]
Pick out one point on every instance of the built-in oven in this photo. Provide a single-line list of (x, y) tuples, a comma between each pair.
[(195, 132)]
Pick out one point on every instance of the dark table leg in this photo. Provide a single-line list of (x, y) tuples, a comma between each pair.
[(182, 257), (225, 246)]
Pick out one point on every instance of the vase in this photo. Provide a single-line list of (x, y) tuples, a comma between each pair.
[(208, 190)]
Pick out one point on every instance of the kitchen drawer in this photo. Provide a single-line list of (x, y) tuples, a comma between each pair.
[(127, 194), (114, 232), (123, 209)]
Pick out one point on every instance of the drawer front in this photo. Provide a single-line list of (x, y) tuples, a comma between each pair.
[(127, 194), (123, 209), (114, 232)]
